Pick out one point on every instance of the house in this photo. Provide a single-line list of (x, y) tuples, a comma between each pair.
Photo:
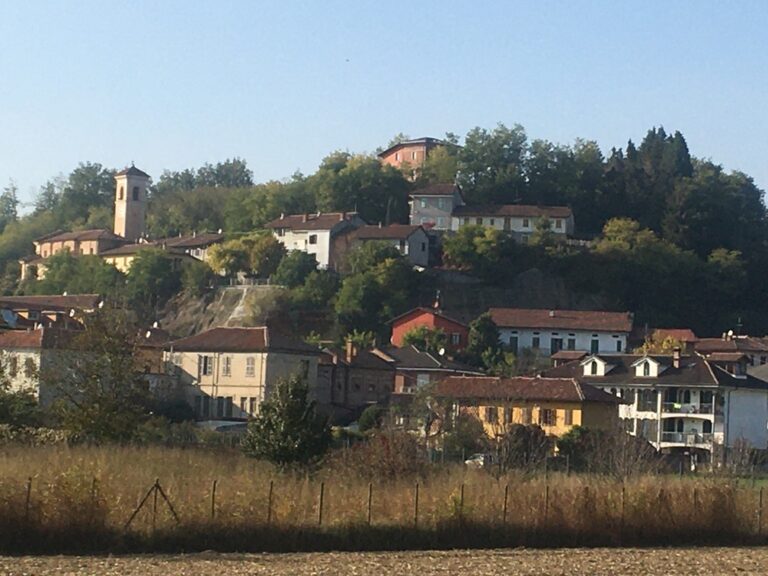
[(518, 220), (685, 338), (755, 349), (354, 379), (548, 331), (555, 404), (456, 332), (62, 311), (229, 372), (194, 245), (681, 404), (416, 368), (409, 153), (123, 256), (315, 233), (433, 206), (411, 241)]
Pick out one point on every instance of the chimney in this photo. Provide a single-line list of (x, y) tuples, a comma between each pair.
[(282, 215), (342, 216), (551, 313), (379, 224), (676, 357), (350, 352), (304, 217)]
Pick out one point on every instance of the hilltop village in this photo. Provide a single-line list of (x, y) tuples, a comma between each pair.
[(423, 272)]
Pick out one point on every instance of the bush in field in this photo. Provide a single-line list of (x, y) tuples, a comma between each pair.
[(524, 447), (371, 418), (385, 456), (465, 437), (288, 431)]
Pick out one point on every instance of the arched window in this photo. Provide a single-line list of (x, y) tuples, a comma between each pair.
[(135, 192), (593, 368), (120, 193), (646, 368)]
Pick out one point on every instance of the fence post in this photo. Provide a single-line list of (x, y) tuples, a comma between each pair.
[(506, 497), (623, 505), (154, 505), (269, 502), (461, 500), (760, 513), (320, 511), (546, 503), (28, 498), (567, 464), (370, 501), (213, 499), (416, 506)]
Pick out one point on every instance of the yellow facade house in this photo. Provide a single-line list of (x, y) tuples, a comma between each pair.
[(555, 404)]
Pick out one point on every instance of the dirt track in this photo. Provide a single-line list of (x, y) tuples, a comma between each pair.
[(709, 561)]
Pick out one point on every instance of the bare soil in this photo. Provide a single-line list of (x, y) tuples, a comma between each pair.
[(615, 562)]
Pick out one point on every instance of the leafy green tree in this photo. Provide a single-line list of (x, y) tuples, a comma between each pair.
[(523, 447), (371, 418), (84, 274), (317, 292), (88, 185), (9, 205), (425, 338), (464, 437), (475, 249), (369, 255), (229, 257), (265, 253), (440, 166), (288, 430), (294, 268), (483, 342), (197, 278), (358, 303), (152, 281)]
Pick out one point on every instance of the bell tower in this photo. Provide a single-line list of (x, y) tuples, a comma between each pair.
[(131, 203)]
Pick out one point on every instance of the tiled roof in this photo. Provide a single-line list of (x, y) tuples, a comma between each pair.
[(683, 335), (128, 249), (521, 388), (734, 344), (258, 339), (519, 210), (192, 241), (562, 319), (426, 141), (318, 221), (362, 359), (391, 232), (423, 310), (436, 190), (47, 338), (411, 358), (54, 302), (80, 235), (726, 356), (132, 171), (568, 355)]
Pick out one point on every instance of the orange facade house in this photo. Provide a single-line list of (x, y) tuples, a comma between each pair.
[(409, 153), (456, 331)]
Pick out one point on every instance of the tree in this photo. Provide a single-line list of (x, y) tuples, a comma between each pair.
[(152, 281), (425, 338), (294, 268), (98, 394), (83, 274), (265, 252), (484, 342), (464, 436), (371, 418), (90, 184), (197, 277), (9, 205), (288, 431), (523, 447), (229, 257), (476, 249)]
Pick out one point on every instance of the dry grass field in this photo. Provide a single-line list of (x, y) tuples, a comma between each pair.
[(587, 562)]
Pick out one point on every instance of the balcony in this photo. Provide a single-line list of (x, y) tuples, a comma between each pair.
[(678, 408), (687, 438)]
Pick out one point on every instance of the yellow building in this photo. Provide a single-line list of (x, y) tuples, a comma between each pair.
[(555, 404)]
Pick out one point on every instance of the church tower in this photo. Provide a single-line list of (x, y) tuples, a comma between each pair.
[(131, 203)]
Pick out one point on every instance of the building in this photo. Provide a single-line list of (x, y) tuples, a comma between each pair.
[(57, 311), (433, 206), (416, 368), (315, 233), (409, 154), (229, 372), (411, 242), (195, 245), (685, 338), (520, 221), (555, 404), (755, 349), (123, 256), (681, 404), (131, 203), (549, 331), (354, 380), (456, 332)]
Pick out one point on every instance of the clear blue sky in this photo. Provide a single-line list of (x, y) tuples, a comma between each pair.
[(175, 84)]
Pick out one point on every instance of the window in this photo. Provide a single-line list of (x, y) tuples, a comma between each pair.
[(466, 221), (253, 406), (440, 221), (35, 315), (121, 193), (206, 365), (479, 221), (423, 246), (313, 238), (220, 401), (558, 223), (524, 238), (455, 338), (707, 427), (508, 415), (492, 222), (571, 343), (546, 417), (536, 342), (423, 203), (569, 417), (243, 405), (280, 232), (526, 223), (228, 405), (136, 193), (527, 417), (206, 407), (556, 344), (250, 367), (29, 367), (226, 368), (397, 156), (646, 368), (514, 343), (413, 155), (304, 370), (491, 414), (441, 203), (593, 368), (594, 346), (618, 345)]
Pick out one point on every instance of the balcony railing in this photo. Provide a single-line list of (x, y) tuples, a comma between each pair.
[(687, 438), (678, 408)]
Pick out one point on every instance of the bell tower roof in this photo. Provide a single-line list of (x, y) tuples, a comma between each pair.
[(132, 171)]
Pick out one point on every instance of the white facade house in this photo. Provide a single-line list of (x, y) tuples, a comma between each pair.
[(678, 403), (229, 372), (314, 233), (518, 220), (549, 331), (433, 206), (411, 241)]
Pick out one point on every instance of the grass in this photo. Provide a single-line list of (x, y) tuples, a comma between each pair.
[(78, 499)]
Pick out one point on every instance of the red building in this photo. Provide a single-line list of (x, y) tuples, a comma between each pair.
[(456, 331)]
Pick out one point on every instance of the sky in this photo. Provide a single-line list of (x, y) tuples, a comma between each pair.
[(175, 84)]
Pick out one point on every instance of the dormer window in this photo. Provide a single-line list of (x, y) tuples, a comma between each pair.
[(646, 368), (593, 368)]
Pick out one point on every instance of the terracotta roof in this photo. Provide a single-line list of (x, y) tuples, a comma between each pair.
[(683, 335), (726, 356), (258, 339), (192, 241), (520, 210), (522, 388), (733, 344), (411, 358), (425, 310), (562, 319), (318, 221), (36, 339), (55, 302), (128, 249), (94, 234), (132, 171), (391, 232), (437, 190), (569, 355), (363, 359), (426, 141)]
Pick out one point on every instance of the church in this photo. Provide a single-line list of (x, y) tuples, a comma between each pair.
[(127, 239)]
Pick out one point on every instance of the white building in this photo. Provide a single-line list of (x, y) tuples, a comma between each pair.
[(433, 206), (411, 241), (315, 233), (549, 331), (518, 220), (681, 403)]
